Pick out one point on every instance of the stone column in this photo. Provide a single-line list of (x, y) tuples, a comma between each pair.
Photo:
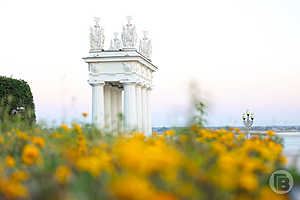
[(139, 107), (119, 109), (120, 101), (114, 107), (144, 110), (107, 108), (130, 106), (98, 104), (149, 113)]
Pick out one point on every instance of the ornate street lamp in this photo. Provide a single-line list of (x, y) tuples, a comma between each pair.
[(248, 119)]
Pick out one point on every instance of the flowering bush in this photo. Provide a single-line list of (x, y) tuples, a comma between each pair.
[(79, 162)]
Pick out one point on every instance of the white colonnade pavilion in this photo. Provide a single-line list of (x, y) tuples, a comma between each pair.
[(121, 80)]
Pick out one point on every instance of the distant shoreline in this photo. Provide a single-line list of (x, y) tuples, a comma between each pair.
[(279, 133), (259, 129), (291, 131)]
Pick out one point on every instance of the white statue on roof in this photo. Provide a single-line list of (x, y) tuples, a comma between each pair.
[(129, 36), (96, 36), (115, 44), (145, 47)]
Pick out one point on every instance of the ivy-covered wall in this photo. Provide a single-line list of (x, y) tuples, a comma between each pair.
[(15, 95)]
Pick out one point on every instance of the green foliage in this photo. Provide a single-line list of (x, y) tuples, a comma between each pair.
[(295, 173), (198, 107), (16, 94), (198, 118)]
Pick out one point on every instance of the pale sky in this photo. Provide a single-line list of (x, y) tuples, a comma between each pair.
[(244, 54)]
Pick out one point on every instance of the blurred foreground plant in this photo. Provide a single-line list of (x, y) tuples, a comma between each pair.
[(79, 162)]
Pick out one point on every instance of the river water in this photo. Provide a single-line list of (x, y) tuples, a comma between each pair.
[(291, 143), (291, 147)]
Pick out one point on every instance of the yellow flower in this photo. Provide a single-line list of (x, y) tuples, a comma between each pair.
[(22, 136), (10, 161), (227, 162), (282, 159), (12, 189), (169, 133), (270, 133), (139, 136), (147, 157), (84, 114), (203, 132), (226, 180), (94, 164), (163, 196), (237, 130), (65, 127), (218, 147), (30, 154), (194, 128), (1, 139), (77, 127), (39, 141), (267, 193), (154, 134), (18, 176), (248, 181), (161, 137), (132, 187), (63, 174)]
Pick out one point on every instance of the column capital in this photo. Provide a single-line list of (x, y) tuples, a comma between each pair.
[(143, 85), (147, 86), (119, 88), (140, 84), (95, 82)]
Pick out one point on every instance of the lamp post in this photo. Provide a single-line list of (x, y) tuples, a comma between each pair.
[(248, 119)]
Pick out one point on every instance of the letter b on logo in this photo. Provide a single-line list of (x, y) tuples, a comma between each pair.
[(281, 181)]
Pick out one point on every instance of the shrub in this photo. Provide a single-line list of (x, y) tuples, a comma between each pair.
[(16, 99)]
